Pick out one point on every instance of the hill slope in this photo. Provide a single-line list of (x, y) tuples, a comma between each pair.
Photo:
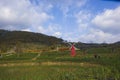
[(35, 42), (29, 40), (27, 37)]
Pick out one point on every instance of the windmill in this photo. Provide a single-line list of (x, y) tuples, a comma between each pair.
[(73, 51), (72, 48)]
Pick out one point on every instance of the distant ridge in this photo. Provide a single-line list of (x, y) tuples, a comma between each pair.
[(27, 37), (34, 42), (23, 41)]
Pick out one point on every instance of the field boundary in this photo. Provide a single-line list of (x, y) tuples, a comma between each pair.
[(49, 64), (36, 56)]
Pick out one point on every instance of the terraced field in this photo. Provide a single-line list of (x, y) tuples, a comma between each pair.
[(60, 66)]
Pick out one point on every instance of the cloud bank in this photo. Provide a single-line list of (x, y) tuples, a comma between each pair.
[(15, 15), (108, 21), (71, 20)]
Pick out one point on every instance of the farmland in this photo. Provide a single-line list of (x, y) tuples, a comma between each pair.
[(59, 65)]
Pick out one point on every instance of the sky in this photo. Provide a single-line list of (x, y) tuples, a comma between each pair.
[(88, 21)]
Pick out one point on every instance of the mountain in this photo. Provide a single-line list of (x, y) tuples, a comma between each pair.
[(27, 37), (27, 40), (117, 43), (23, 41)]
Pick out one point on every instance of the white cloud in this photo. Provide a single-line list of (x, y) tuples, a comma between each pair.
[(67, 5), (21, 15), (71, 36), (107, 26), (98, 36), (80, 3), (93, 35), (82, 15), (41, 29), (108, 21), (52, 29), (36, 16), (26, 30), (43, 6), (83, 20), (57, 34)]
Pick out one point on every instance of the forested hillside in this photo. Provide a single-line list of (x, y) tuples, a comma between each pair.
[(22, 41), (27, 37)]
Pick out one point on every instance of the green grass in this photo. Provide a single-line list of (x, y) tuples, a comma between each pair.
[(81, 67), (52, 56), (21, 57), (58, 73)]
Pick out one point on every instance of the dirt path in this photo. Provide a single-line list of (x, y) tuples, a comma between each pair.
[(69, 63), (9, 54), (84, 64), (36, 56)]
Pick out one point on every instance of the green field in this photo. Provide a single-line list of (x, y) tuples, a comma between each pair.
[(61, 66)]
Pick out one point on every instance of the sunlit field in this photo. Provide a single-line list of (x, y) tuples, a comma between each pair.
[(59, 65), (59, 39)]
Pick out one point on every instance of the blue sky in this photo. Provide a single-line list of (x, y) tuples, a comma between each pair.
[(87, 21)]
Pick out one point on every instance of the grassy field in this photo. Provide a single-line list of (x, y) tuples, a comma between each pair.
[(61, 66)]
